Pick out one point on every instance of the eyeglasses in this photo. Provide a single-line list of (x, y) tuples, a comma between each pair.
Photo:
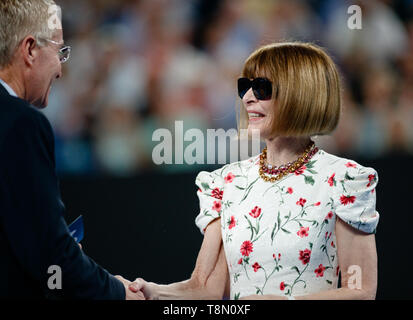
[(261, 87), (64, 52)]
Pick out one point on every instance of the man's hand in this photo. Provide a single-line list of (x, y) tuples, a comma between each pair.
[(149, 289), (129, 294)]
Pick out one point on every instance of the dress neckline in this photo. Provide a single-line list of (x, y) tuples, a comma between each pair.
[(256, 166)]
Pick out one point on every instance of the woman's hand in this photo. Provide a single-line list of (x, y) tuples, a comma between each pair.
[(208, 280), (129, 294), (149, 289)]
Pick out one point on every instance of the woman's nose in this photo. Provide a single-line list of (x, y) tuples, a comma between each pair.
[(249, 97)]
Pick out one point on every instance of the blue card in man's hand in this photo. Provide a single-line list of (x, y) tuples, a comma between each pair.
[(76, 229)]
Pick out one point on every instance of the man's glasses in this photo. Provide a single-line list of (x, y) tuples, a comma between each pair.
[(261, 87), (64, 52)]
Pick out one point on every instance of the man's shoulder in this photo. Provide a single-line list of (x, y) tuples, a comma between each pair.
[(20, 121), (15, 112)]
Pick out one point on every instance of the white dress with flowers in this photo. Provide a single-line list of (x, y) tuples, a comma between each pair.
[(279, 238)]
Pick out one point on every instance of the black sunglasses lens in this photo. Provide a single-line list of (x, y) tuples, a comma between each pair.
[(262, 88), (244, 84)]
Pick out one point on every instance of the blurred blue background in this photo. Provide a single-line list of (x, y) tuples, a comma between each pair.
[(137, 66)]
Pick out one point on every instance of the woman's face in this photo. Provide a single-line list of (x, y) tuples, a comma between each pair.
[(259, 114)]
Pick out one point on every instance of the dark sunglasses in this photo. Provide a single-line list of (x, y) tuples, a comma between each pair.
[(261, 87)]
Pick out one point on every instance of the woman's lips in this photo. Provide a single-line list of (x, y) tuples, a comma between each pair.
[(255, 116)]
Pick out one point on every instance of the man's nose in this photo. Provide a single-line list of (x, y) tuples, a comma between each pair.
[(60, 73)]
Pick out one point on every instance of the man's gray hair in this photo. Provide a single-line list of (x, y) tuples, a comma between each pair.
[(20, 18)]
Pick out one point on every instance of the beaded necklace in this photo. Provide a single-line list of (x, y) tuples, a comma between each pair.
[(271, 174)]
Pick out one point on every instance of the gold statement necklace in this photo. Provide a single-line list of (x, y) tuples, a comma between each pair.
[(271, 173)]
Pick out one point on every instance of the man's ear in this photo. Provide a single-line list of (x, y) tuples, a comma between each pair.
[(29, 50)]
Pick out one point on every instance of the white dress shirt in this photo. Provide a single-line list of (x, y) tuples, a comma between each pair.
[(8, 88)]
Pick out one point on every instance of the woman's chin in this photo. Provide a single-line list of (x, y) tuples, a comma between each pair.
[(258, 130)]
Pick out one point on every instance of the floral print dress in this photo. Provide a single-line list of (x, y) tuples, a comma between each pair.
[(279, 238)]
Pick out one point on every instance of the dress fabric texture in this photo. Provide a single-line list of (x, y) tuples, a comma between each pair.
[(279, 238)]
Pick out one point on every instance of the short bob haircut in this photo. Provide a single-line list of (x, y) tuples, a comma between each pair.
[(306, 88)]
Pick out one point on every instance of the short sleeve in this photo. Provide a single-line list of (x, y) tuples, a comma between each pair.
[(210, 193), (355, 198)]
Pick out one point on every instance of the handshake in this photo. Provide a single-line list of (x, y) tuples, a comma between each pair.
[(139, 289), (208, 281)]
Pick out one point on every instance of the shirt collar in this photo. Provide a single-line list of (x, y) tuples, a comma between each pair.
[(8, 88)]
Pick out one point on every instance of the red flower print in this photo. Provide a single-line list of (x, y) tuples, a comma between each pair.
[(199, 190), (372, 177), (229, 178), (317, 204), (231, 223), (347, 199), (301, 202), (256, 266), (350, 165), (303, 232), (217, 194), (305, 256), (329, 215), (246, 248), (331, 180), (332, 244), (240, 261), (290, 190), (279, 256), (320, 271), (282, 286), (255, 213), (217, 206), (300, 170)]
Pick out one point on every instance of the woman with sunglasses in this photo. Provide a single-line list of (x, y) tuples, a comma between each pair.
[(283, 224)]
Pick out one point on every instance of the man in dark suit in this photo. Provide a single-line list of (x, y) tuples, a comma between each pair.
[(33, 233)]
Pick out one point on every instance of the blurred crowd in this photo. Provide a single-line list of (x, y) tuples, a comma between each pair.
[(140, 65)]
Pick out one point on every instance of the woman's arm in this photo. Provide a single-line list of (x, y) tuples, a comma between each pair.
[(356, 254), (208, 280)]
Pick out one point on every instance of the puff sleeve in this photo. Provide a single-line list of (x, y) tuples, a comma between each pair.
[(210, 193), (355, 198)]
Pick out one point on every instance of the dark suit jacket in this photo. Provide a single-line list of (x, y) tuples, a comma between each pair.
[(33, 233)]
